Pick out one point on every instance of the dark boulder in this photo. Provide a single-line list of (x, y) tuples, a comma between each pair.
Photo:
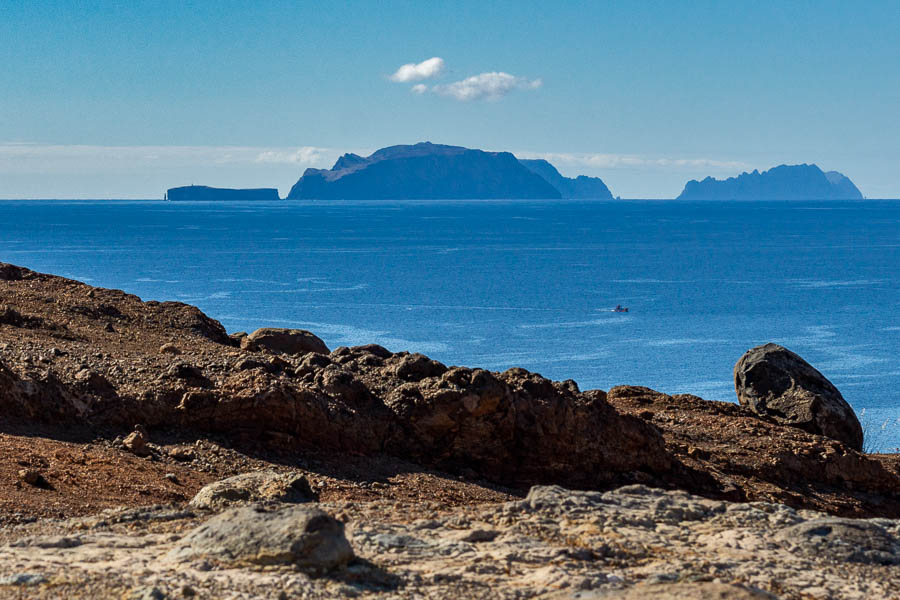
[(777, 384)]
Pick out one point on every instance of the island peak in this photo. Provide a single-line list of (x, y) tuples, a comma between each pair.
[(424, 171)]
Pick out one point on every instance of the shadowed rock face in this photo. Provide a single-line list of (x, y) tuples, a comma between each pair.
[(582, 186), (776, 383), (283, 389)]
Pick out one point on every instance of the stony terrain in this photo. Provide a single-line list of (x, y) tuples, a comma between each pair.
[(110, 405), (634, 542)]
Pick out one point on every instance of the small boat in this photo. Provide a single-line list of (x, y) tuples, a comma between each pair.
[(620, 308)]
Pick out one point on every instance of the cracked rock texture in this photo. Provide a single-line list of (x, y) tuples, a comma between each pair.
[(633, 542), (776, 383)]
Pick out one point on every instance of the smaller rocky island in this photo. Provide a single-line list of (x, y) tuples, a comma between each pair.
[(581, 187), (784, 182), (202, 192)]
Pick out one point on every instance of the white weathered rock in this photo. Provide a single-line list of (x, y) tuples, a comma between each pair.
[(302, 536), (630, 543), (258, 486)]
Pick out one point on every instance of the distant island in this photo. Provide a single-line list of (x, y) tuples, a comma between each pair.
[(427, 171), (202, 192), (582, 187), (784, 182)]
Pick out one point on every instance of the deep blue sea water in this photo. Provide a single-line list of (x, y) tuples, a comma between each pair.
[(517, 283)]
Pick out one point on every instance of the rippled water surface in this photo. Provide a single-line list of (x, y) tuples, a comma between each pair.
[(517, 283)]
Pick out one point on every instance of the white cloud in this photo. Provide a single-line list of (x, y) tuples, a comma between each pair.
[(306, 155), (426, 69), (30, 170), (486, 86), (630, 161), (19, 157), (419, 88)]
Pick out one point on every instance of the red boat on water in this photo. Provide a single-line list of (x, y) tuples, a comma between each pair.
[(620, 308)]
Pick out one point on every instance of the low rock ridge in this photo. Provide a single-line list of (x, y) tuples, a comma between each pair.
[(202, 192), (106, 358)]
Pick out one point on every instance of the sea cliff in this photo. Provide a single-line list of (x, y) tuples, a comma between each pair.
[(581, 187)]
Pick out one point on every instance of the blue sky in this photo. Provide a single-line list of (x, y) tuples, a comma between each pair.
[(124, 99)]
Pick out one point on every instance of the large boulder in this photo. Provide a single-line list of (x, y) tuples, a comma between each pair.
[(259, 486), (841, 540), (777, 384), (298, 535), (285, 341)]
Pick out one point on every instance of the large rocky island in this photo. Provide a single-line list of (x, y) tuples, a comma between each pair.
[(784, 182), (425, 171), (202, 192), (147, 453)]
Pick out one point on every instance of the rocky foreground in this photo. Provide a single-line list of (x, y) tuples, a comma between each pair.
[(362, 471)]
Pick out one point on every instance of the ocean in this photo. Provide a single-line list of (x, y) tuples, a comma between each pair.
[(497, 284)]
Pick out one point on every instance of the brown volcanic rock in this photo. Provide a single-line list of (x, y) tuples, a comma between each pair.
[(777, 384), (724, 450), (515, 427)]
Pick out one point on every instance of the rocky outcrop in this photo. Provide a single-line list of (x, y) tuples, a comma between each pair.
[(424, 171), (725, 450), (582, 187), (259, 486), (777, 384), (287, 341), (202, 192), (283, 391), (304, 537), (784, 182)]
